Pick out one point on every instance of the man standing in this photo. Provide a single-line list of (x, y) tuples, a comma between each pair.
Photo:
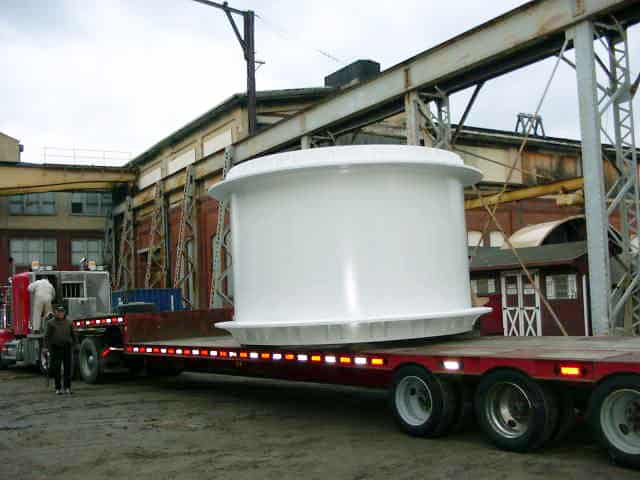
[(59, 339), (43, 294)]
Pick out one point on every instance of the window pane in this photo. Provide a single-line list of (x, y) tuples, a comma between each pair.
[(561, 286), (107, 203), (473, 237), (17, 251), (16, 204), (78, 246), (76, 257), (91, 207), (496, 239), (77, 202), (32, 203), (50, 245)]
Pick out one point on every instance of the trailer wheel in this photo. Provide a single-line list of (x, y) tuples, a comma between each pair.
[(90, 368), (614, 414), (514, 411), (423, 404)]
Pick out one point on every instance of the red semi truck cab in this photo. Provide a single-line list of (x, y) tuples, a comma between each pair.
[(83, 294)]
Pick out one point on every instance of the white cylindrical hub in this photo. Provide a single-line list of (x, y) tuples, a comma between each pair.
[(349, 244)]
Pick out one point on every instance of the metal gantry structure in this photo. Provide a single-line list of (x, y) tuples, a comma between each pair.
[(125, 275), (611, 210), (157, 271), (421, 87), (221, 295), (186, 248)]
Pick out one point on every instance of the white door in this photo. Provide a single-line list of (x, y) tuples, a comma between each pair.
[(520, 305)]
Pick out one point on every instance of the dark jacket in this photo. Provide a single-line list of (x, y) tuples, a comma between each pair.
[(59, 333)]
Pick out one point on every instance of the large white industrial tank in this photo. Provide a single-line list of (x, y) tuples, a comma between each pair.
[(349, 244)]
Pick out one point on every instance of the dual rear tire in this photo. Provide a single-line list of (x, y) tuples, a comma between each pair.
[(515, 412)]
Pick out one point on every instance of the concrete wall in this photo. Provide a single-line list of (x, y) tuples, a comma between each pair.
[(9, 149), (61, 221)]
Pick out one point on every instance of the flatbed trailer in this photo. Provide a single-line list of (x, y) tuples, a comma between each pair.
[(523, 391)]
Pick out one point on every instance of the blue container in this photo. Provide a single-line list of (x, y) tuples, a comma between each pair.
[(165, 299)]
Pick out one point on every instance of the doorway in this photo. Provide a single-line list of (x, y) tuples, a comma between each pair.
[(520, 305)]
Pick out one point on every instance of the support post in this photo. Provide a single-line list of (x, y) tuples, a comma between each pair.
[(595, 210), (125, 277), (414, 119), (250, 57), (156, 268), (186, 251), (220, 293)]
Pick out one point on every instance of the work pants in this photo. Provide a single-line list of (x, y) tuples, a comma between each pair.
[(41, 307), (60, 356)]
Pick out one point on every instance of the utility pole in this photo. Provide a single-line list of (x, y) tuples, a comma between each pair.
[(247, 42)]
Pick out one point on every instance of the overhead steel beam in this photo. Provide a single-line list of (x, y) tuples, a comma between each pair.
[(561, 186), (527, 34), (16, 178)]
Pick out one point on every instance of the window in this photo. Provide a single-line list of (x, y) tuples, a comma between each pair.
[(86, 248), (483, 286), (33, 204), (561, 287), (26, 250), (91, 203), (496, 239), (473, 237)]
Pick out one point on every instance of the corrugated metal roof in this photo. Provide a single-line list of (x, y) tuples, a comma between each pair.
[(487, 258)]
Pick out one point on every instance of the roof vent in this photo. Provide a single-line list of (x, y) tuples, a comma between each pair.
[(353, 73)]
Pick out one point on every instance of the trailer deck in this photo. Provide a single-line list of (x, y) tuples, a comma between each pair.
[(584, 359)]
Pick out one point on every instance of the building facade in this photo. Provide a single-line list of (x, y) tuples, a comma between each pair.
[(56, 229)]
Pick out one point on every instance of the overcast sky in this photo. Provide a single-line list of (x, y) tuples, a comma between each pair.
[(122, 74)]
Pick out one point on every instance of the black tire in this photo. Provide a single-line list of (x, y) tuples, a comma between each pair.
[(614, 415), (89, 360), (515, 412), (423, 404)]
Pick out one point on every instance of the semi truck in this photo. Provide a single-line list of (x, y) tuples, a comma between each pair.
[(523, 391), (84, 294)]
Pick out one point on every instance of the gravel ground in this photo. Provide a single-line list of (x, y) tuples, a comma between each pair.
[(209, 426)]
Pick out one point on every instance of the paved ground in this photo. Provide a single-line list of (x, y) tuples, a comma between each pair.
[(209, 427)]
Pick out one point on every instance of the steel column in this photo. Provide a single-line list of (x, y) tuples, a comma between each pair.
[(220, 274), (156, 268), (185, 271), (125, 278)]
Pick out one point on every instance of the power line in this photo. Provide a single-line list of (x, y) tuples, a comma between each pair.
[(286, 35)]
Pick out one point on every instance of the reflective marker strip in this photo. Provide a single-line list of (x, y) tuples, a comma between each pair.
[(342, 360)]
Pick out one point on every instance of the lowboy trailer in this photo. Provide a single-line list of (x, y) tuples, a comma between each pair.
[(524, 391)]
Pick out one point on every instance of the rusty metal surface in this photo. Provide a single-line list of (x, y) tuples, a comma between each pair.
[(151, 327)]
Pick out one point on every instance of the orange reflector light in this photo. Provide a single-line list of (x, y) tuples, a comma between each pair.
[(224, 354), (289, 356), (265, 356), (204, 352), (345, 360), (570, 371), (171, 351), (156, 350), (377, 361), (244, 355), (316, 358)]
